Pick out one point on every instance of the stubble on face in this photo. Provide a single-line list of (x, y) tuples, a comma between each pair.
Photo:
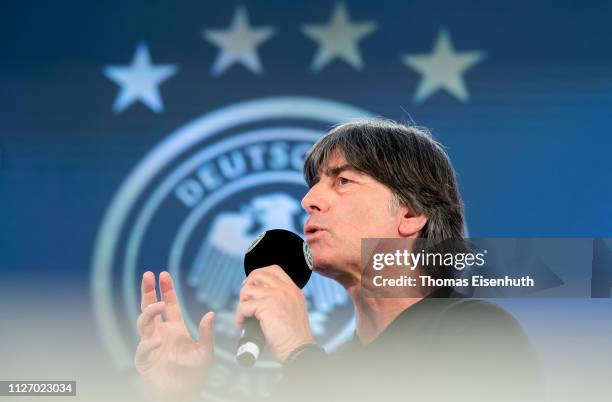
[(362, 208)]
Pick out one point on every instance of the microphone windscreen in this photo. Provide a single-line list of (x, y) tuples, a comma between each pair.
[(283, 248)]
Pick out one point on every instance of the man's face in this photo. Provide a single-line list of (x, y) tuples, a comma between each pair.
[(343, 207)]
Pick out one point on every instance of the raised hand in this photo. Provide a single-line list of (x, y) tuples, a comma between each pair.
[(171, 364)]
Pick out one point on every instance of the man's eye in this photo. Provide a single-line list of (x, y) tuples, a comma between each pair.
[(343, 180)]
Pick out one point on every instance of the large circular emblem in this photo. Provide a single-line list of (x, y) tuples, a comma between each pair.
[(193, 206)]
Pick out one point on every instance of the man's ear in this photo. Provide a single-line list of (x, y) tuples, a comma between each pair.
[(411, 223)]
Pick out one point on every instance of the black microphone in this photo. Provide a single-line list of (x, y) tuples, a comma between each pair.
[(287, 250)]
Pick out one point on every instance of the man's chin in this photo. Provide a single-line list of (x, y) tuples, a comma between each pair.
[(320, 265), (324, 262), (325, 268), (325, 271)]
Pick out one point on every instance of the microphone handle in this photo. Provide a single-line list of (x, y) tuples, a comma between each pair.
[(251, 343)]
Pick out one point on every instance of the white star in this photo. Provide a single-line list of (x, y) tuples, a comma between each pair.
[(140, 81), (238, 43), (442, 69), (338, 39)]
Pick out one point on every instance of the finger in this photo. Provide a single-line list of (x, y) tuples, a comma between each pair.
[(272, 276), (147, 290), (144, 349), (166, 285), (253, 292), (253, 281), (245, 310), (279, 273), (148, 320), (207, 332)]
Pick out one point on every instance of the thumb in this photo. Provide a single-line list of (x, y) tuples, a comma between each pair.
[(207, 332)]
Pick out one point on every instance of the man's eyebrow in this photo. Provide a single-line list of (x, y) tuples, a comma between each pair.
[(333, 171), (336, 170)]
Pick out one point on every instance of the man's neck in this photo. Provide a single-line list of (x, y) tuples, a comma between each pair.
[(373, 315)]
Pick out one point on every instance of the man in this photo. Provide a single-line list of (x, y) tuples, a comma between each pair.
[(372, 179)]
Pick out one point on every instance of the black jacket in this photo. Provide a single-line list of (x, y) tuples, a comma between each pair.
[(439, 349)]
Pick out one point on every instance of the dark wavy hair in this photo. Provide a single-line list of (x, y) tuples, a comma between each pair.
[(404, 158)]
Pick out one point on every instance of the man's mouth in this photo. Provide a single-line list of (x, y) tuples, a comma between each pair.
[(311, 230)]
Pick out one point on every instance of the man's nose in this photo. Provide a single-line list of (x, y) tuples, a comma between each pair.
[(314, 200)]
